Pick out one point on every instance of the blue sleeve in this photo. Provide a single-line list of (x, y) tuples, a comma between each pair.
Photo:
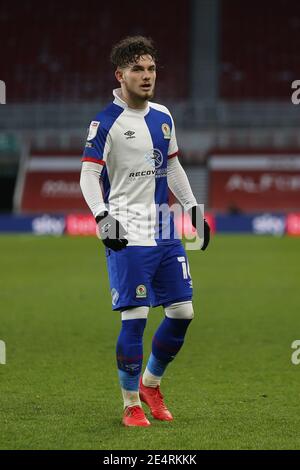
[(97, 145)]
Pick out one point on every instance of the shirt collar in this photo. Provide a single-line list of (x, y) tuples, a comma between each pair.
[(120, 102)]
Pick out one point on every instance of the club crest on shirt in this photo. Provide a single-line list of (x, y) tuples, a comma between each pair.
[(93, 130), (141, 291), (166, 130)]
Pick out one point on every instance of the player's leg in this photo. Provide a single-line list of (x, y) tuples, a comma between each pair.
[(129, 352), (173, 289), (166, 343), (130, 271), (129, 360)]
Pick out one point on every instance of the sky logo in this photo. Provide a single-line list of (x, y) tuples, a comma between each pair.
[(269, 224)]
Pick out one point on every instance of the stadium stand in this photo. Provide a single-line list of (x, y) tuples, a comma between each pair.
[(259, 49), (70, 60), (58, 75)]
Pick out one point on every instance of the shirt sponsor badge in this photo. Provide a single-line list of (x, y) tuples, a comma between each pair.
[(93, 130)]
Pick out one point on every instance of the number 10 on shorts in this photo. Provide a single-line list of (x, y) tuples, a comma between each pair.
[(185, 267)]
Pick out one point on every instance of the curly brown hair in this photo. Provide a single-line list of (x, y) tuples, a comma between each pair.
[(130, 49)]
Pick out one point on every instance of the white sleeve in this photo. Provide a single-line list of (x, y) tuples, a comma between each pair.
[(90, 187), (179, 184)]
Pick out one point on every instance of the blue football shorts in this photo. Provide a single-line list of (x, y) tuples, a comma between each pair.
[(148, 276)]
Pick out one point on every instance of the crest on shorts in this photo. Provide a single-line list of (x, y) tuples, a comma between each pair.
[(166, 130), (114, 296), (141, 291)]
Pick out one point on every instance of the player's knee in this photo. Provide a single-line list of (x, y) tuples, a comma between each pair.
[(135, 313), (180, 310)]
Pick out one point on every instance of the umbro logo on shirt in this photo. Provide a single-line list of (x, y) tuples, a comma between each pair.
[(130, 134)]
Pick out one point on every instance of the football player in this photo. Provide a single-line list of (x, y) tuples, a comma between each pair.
[(129, 162)]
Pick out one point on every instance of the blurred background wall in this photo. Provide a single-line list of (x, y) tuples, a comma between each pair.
[(225, 71)]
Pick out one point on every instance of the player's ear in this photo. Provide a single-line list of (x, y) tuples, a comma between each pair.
[(119, 75)]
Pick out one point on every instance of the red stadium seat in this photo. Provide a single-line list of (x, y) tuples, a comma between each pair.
[(259, 49), (60, 51)]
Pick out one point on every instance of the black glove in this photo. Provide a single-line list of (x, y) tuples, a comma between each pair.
[(197, 220), (111, 231)]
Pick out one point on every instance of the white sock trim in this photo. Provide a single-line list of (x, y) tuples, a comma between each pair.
[(180, 310), (135, 313), (150, 380), (130, 398)]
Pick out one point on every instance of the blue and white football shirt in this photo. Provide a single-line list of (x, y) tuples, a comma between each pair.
[(133, 146)]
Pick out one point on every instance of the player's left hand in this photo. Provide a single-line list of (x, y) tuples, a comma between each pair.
[(197, 221), (206, 235)]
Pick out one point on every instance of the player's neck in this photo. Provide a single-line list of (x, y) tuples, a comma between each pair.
[(133, 101)]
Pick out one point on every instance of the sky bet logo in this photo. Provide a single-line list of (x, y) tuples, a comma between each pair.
[(2, 92)]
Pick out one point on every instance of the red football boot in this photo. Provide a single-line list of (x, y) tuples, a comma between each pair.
[(155, 400), (135, 416)]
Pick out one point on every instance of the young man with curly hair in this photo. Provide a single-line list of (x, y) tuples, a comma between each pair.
[(131, 149)]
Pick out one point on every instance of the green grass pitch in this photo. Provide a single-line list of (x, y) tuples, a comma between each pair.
[(233, 385)]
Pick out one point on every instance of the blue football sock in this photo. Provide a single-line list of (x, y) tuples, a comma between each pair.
[(130, 353), (166, 343)]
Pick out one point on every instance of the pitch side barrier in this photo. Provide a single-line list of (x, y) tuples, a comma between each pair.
[(84, 224)]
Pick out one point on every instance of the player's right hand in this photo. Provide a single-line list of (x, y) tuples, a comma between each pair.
[(111, 231)]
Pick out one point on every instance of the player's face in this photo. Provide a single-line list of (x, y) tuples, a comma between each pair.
[(138, 79)]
